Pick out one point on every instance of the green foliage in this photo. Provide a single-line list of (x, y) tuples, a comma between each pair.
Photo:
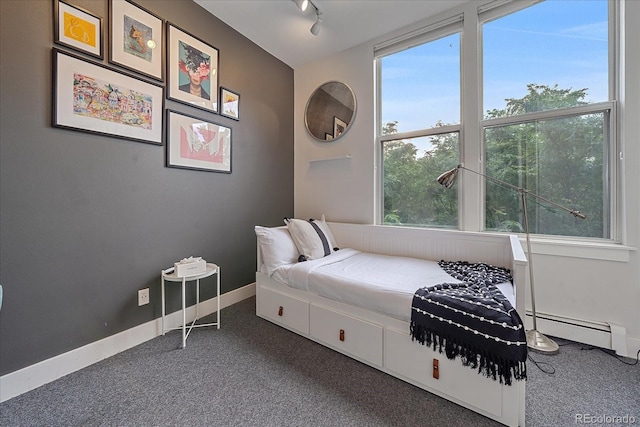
[(411, 193), (562, 160)]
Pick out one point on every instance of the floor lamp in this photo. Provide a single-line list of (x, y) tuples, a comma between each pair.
[(535, 339)]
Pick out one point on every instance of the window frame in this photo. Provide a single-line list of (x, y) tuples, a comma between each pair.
[(440, 29), (471, 192)]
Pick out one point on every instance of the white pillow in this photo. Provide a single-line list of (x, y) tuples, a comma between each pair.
[(276, 246), (313, 238)]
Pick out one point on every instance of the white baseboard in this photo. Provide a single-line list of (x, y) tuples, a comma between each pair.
[(34, 376)]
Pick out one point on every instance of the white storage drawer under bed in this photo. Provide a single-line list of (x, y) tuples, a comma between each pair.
[(415, 362), (347, 334), (284, 310)]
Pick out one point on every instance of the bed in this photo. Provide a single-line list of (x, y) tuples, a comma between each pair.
[(342, 299)]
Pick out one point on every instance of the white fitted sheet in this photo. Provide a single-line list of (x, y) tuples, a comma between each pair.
[(381, 283)]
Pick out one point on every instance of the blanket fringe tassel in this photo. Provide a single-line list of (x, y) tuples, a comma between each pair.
[(489, 365)]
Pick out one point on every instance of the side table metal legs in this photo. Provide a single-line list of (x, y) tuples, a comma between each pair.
[(186, 330)]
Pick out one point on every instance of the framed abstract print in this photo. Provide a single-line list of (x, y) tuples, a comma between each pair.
[(194, 143), (137, 39), (192, 70), (77, 28), (93, 98), (230, 104)]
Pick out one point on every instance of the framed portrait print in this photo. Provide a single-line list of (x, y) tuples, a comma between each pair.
[(229, 104), (77, 28), (137, 39), (92, 98), (192, 70), (194, 143), (338, 127)]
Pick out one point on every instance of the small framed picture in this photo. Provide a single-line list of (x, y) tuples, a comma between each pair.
[(230, 104), (77, 28), (93, 98), (192, 70), (338, 127), (137, 39), (194, 143)]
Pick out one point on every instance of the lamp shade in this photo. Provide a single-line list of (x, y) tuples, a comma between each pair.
[(448, 178)]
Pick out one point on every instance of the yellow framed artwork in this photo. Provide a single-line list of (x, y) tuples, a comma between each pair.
[(77, 28)]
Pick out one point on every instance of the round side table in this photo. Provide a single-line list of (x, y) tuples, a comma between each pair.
[(169, 275)]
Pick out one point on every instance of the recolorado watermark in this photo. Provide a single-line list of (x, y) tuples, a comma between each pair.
[(601, 419)]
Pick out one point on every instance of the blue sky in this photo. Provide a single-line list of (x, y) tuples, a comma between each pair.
[(561, 42)]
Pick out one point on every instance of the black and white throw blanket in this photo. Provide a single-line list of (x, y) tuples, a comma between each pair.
[(472, 320)]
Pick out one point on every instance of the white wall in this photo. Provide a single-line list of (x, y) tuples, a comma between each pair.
[(593, 284), (342, 189)]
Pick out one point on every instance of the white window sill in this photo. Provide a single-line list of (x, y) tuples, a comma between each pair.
[(605, 251)]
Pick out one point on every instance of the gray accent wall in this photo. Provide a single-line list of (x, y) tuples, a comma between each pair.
[(86, 220)]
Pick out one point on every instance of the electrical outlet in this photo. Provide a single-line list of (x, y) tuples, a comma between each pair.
[(143, 296)]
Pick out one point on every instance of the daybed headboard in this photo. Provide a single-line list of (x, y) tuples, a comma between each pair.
[(451, 245), (502, 250)]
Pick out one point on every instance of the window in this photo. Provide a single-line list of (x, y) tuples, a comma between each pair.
[(546, 121), (421, 116)]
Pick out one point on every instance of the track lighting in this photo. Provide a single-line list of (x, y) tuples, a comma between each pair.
[(315, 28), (303, 5)]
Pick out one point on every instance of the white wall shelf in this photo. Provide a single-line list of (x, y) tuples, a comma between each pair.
[(327, 159)]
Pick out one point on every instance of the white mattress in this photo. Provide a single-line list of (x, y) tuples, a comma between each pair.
[(381, 283)]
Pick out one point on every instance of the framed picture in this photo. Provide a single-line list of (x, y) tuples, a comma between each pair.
[(137, 39), (77, 28), (194, 143), (338, 127), (192, 70), (230, 104), (93, 98)]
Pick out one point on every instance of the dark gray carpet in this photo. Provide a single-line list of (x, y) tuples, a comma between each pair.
[(253, 373)]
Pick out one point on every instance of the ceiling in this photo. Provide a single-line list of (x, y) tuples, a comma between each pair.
[(280, 28)]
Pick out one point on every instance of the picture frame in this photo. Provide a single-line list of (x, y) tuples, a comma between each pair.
[(91, 97), (192, 70), (198, 144), (229, 103), (77, 28), (136, 39), (338, 127)]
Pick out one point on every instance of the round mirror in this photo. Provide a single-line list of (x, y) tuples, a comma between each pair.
[(330, 111)]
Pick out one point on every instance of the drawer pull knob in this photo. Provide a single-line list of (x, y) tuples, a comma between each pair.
[(341, 334), (280, 311), (436, 369)]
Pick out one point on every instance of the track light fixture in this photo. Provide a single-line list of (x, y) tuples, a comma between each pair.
[(303, 5), (315, 28)]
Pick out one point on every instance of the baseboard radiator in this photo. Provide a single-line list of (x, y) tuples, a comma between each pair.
[(599, 334)]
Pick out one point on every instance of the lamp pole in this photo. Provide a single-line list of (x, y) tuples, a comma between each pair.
[(535, 339)]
